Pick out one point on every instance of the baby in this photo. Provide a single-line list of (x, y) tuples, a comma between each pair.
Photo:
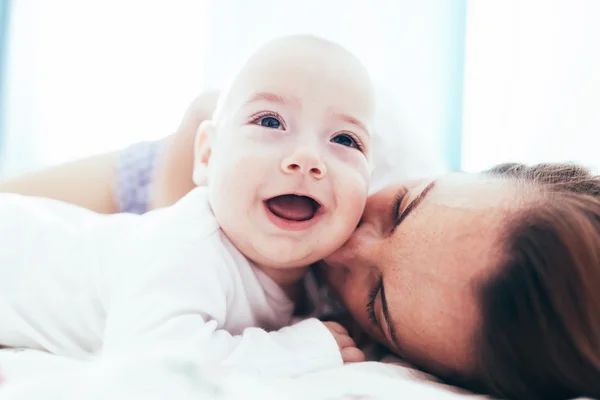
[(287, 166)]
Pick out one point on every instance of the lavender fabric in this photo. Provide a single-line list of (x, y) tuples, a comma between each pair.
[(135, 169)]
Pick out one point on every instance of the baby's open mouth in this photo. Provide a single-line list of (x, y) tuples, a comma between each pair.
[(293, 207)]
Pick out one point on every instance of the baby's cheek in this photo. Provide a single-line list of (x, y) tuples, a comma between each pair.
[(347, 215), (350, 165), (352, 187), (353, 157)]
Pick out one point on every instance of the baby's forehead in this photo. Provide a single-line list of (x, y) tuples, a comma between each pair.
[(321, 58), (290, 79), (305, 71)]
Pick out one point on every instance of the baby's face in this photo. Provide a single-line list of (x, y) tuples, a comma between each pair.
[(289, 169)]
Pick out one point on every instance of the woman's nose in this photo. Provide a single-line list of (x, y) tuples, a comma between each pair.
[(304, 161)]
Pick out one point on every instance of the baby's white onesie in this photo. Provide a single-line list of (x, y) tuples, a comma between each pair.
[(76, 283)]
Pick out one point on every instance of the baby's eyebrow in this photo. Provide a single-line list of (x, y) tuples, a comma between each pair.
[(270, 97), (354, 121)]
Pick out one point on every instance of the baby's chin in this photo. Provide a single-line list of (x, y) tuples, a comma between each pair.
[(275, 260), (282, 258)]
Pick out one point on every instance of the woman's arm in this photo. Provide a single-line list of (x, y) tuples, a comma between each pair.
[(173, 172), (87, 183), (90, 182), (173, 176)]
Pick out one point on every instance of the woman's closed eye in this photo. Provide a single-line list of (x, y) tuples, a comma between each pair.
[(371, 303), (397, 205), (380, 316)]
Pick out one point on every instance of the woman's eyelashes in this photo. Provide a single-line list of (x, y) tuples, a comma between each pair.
[(372, 297), (269, 120), (397, 204)]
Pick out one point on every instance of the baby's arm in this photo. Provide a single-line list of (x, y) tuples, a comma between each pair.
[(307, 346), (177, 300), (47, 299)]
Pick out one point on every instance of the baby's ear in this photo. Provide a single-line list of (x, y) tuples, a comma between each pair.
[(202, 150)]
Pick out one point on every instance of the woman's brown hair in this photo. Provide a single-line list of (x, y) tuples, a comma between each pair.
[(540, 332)]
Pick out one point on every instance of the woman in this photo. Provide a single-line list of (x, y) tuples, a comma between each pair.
[(487, 281)]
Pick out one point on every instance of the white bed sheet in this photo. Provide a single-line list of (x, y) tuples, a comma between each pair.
[(29, 374)]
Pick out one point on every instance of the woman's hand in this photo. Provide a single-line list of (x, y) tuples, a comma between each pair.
[(350, 353)]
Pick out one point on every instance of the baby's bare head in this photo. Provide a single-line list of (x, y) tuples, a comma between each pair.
[(305, 68), (287, 154)]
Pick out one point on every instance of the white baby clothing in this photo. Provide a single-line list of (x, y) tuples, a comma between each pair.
[(76, 283)]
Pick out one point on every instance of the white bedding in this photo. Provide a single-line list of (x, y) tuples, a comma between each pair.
[(29, 374)]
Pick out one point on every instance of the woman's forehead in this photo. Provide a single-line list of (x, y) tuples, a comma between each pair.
[(448, 247), (458, 220), (463, 190)]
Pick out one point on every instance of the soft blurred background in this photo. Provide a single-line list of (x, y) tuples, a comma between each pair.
[(464, 84)]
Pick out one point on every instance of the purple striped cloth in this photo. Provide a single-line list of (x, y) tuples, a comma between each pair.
[(135, 170)]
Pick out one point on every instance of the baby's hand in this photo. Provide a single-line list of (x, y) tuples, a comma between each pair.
[(350, 353)]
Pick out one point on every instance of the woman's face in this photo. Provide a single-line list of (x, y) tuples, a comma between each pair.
[(410, 271)]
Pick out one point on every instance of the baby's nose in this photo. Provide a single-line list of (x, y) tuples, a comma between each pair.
[(304, 162)]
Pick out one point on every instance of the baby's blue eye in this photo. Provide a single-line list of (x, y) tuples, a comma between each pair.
[(270, 122), (346, 140)]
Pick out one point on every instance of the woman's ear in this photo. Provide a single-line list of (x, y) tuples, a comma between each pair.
[(202, 150)]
